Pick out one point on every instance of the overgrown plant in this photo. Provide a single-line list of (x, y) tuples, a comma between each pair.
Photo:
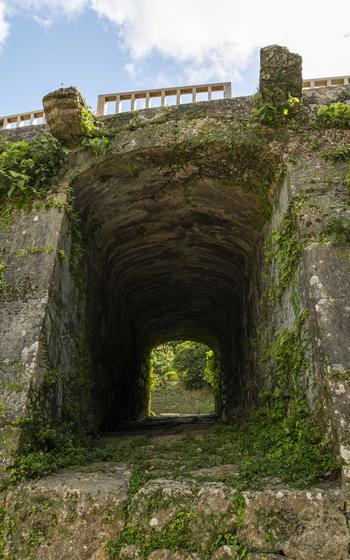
[(337, 230), (336, 115), (3, 267), (95, 138), (283, 248), (342, 154), (269, 113), (26, 169)]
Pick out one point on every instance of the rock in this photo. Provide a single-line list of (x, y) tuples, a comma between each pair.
[(215, 498), (157, 503), (218, 473), (280, 75), (225, 552), (164, 554), (130, 552), (67, 515), (204, 511), (264, 556), (297, 522), (63, 114)]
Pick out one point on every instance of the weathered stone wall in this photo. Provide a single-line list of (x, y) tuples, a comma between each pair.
[(312, 301), (174, 219), (44, 357)]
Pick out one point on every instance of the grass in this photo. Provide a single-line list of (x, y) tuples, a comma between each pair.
[(174, 398), (270, 445)]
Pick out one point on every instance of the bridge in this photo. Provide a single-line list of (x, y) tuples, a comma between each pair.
[(188, 231), (209, 221)]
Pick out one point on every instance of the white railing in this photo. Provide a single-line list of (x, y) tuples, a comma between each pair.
[(326, 82), (145, 99), (22, 119)]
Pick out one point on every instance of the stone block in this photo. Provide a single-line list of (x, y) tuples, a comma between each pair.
[(280, 75), (63, 113)]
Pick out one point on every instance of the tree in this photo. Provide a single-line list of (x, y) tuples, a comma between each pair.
[(190, 362)]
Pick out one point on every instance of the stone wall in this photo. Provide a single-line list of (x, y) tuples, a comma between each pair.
[(176, 218), (42, 317)]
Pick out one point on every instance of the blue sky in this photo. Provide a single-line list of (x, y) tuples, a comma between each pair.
[(105, 46)]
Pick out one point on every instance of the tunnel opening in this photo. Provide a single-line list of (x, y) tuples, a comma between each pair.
[(182, 379), (171, 239)]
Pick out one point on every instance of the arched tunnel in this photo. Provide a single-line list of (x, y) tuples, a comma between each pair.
[(171, 254)]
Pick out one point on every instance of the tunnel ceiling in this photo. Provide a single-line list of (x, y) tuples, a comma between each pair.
[(175, 228)]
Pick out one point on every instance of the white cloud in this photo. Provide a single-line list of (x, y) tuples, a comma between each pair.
[(46, 9), (3, 25), (130, 68), (216, 39)]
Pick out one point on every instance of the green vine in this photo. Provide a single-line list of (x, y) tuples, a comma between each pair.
[(284, 248), (342, 154), (94, 137), (336, 115), (26, 169), (268, 113), (3, 284)]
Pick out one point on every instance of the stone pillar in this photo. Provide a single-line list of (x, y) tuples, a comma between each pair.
[(63, 113), (280, 75)]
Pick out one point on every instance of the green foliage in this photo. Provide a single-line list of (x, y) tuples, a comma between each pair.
[(212, 375), (337, 230), (95, 138), (315, 143), (279, 440), (286, 359), (26, 168), (339, 375), (3, 284), (347, 179), (336, 115), (48, 449), (280, 173), (34, 251), (268, 113), (181, 532), (283, 441), (2, 533), (97, 144), (183, 361), (163, 356), (88, 122), (175, 535), (284, 248), (342, 154), (190, 362)]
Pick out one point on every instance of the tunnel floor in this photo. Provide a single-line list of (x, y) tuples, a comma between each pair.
[(164, 424)]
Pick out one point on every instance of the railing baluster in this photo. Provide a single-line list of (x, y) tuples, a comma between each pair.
[(117, 104), (101, 105)]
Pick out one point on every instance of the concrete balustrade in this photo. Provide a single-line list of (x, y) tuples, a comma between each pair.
[(326, 82), (22, 119), (143, 99), (135, 100)]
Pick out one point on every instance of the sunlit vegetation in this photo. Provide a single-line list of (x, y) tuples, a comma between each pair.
[(180, 380)]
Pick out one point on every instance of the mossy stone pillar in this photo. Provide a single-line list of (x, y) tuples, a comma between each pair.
[(280, 75), (64, 115)]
